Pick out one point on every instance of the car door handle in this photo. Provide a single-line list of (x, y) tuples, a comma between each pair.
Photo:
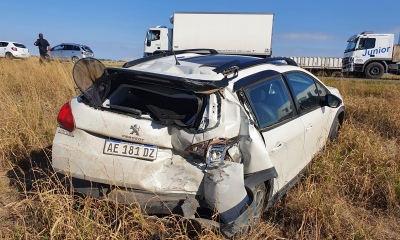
[(278, 146), (309, 127)]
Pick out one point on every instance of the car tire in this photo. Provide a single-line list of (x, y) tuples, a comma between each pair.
[(47, 58), (260, 196), (334, 132), (9, 56), (374, 70), (74, 59)]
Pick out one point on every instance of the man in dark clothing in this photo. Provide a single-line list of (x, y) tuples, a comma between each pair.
[(44, 47)]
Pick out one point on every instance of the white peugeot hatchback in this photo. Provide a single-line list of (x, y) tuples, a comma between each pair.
[(208, 136)]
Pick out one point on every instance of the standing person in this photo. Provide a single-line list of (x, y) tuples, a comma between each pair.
[(44, 47)]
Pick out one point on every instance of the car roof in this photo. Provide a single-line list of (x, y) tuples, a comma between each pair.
[(76, 44), (199, 65), (11, 42), (200, 69)]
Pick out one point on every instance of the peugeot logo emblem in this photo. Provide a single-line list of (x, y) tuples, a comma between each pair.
[(135, 129)]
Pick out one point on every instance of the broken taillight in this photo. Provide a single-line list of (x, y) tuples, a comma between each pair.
[(14, 48), (65, 118), (214, 151)]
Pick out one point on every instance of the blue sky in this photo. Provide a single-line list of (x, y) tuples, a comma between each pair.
[(116, 29)]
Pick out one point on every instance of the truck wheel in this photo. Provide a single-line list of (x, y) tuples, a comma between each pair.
[(322, 73), (337, 74), (374, 70)]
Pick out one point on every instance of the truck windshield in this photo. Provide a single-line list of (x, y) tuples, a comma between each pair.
[(351, 45)]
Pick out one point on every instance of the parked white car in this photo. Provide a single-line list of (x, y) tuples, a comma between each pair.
[(196, 133), (11, 50)]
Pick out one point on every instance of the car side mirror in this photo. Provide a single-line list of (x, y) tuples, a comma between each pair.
[(331, 101)]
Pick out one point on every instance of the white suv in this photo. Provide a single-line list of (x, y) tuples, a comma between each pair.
[(197, 133), (12, 50)]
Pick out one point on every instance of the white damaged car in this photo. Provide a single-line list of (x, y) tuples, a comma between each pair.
[(217, 138)]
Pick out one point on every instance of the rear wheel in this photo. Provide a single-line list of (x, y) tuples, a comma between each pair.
[(374, 70), (322, 73), (74, 59), (9, 55), (337, 74), (260, 196)]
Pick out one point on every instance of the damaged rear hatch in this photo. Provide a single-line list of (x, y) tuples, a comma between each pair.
[(135, 127)]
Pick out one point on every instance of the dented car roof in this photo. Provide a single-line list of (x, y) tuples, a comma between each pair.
[(192, 71)]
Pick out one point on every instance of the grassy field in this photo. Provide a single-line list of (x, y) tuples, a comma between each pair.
[(351, 191)]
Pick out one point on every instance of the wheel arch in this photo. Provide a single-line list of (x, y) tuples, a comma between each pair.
[(340, 114), (381, 61), (8, 53), (266, 177)]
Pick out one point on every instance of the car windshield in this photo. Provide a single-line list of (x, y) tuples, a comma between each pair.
[(86, 49), (19, 45)]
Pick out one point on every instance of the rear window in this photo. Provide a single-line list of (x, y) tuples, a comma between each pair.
[(86, 49), (19, 45), (167, 105)]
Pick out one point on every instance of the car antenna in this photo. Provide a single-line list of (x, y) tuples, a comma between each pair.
[(176, 59)]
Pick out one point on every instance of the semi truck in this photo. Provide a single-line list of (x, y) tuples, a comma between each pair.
[(370, 55), (229, 33)]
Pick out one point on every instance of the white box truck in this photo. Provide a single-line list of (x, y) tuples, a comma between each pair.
[(228, 33), (371, 55)]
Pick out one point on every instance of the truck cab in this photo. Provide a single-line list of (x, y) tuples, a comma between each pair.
[(158, 40), (368, 54)]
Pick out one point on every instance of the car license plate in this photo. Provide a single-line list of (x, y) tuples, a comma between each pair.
[(134, 150)]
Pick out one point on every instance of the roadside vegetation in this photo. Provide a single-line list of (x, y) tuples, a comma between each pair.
[(350, 191)]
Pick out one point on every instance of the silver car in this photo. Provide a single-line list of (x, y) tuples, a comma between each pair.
[(70, 52), (208, 136)]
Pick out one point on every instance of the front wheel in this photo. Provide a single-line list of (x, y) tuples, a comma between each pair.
[(333, 134), (374, 70)]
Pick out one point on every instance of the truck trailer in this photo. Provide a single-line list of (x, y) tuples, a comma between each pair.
[(321, 66), (370, 55), (229, 33)]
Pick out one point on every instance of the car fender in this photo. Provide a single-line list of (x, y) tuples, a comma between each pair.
[(255, 156)]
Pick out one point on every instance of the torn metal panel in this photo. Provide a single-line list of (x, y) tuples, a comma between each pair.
[(224, 191)]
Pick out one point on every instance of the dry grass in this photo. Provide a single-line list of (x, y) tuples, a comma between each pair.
[(351, 191)]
